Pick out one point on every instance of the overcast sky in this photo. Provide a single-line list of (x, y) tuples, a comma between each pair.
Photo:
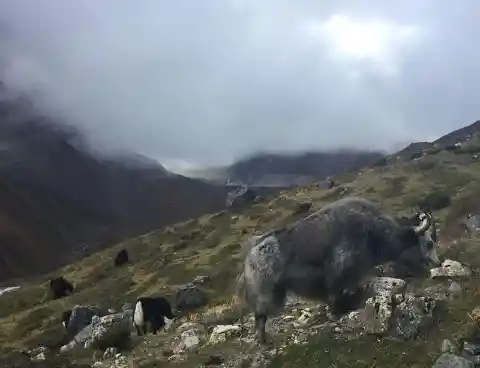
[(205, 82)]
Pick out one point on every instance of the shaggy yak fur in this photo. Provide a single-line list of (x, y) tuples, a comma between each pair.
[(328, 254)]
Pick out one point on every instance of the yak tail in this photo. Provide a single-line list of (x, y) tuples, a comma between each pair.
[(241, 295)]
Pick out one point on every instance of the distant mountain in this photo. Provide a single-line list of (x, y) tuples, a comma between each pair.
[(284, 169), (446, 142), (58, 199)]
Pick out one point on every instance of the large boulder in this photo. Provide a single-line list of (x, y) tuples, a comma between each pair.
[(190, 297), (112, 330), (82, 316), (391, 312)]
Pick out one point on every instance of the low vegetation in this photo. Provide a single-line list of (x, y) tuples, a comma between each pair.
[(211, 245)]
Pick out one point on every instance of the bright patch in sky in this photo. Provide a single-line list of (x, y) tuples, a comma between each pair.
[(376, 41)]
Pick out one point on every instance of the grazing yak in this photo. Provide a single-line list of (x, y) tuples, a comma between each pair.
[(60, 287), (154, 310), (327, 255), (121, 258)]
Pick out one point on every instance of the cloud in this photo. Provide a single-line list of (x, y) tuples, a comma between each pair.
[(206, 82)]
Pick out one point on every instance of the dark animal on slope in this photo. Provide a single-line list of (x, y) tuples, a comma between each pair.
[(60, 287), (327, 255), (121, 258), (154, 310)]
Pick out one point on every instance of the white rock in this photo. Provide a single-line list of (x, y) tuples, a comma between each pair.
[(190, 338), (450, 268), (378, 312), (39, 357), (221, 333)]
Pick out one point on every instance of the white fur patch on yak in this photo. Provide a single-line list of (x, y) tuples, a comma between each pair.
[(168, 323), (138, 314)]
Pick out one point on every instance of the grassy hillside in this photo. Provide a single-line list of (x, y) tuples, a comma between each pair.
[(211, 245), (59, 200)]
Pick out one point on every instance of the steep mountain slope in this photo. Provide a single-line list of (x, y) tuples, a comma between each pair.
[(60, 200), (211, 246)]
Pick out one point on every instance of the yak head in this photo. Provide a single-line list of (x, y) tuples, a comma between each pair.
[(420, 234)]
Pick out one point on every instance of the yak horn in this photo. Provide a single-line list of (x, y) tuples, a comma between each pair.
[(425, 223)]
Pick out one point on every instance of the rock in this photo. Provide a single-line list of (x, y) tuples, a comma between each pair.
[(109, 353), (222, 333), (386, 286), (113, 330), (450, 268), (378, 311), (475, 359), (108, 331), (200, 279), (471, 348), (445, 291), (191, 336), (39, 357), (82, 316), (448, 347), (410, 316), (448, 360), (190, 297)]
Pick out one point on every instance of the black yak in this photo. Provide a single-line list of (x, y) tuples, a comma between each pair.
[(326, 256), (154, 310), (60, 287), (121, 258)]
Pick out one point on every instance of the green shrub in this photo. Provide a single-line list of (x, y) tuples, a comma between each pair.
[(435, 201)]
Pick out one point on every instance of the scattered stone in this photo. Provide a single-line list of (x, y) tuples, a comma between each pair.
[(222, 333), (378, 311), (450, 268), (448, 360), (448, 347), (200, 279), (82, 316), (471, 348), (113, 330), (191, 335), (109, 353), (411, 316), (444, 291), (190, 297)]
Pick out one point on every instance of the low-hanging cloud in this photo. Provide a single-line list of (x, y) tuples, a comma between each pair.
[(208, 81)]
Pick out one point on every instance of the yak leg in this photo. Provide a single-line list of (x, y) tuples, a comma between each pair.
[(260, 322)]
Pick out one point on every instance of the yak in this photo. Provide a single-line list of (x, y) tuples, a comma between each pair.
[(326, 256), (121, 258), (60, 287), (156, 311)]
